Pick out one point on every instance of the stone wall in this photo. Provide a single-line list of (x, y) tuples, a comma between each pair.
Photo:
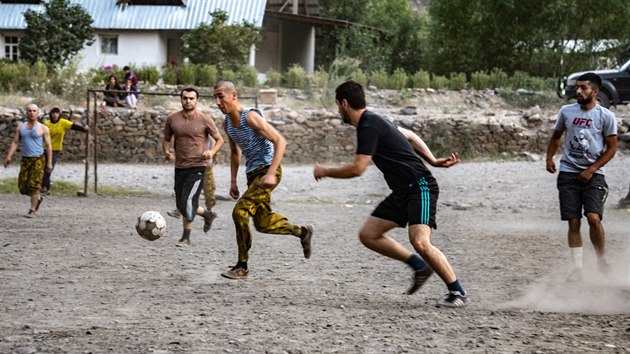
[(313, 135)]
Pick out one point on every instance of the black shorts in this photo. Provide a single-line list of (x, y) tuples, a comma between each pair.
[(417, 205), (575, 195), (188, 186)]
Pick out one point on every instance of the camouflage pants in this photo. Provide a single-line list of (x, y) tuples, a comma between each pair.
[(256, 202), (31, 174), (208, 187)]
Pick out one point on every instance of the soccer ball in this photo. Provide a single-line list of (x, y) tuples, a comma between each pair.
[(151, 225)]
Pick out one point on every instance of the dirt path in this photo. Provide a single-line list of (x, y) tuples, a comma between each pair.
[(78, 279)]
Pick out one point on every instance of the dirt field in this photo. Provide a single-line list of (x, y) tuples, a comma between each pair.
[(78, 279)]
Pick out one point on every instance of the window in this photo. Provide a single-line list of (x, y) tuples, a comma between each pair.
[(109, 45), (11, 51)]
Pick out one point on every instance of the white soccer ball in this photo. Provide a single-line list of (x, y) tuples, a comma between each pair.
[(151, 225)]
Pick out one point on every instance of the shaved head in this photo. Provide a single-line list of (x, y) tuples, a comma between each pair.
[(227, 85)]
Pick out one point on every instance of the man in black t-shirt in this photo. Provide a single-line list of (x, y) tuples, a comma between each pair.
[(414, 195)]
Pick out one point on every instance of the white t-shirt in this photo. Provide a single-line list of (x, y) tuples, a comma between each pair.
[(584, 138)]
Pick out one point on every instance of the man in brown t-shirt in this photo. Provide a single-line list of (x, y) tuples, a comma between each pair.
[(191, 130)]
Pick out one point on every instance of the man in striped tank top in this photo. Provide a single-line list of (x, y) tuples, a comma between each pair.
[(32, 135), (414, 195), (263, 147)]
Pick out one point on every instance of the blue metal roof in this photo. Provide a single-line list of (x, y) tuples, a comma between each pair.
[(107, 15)]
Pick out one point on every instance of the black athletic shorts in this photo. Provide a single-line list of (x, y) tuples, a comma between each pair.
[(188, 186), (416, 205), (575, 195)]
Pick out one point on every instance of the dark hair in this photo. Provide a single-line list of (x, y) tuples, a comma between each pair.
[(189, 89), (54, 110), (110, 77), (594, 79), (126, 68), (352, 92)]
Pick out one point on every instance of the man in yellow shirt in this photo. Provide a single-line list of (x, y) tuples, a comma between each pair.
[(58, 127)]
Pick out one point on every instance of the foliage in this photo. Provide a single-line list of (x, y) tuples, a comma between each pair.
[(359, 76), (498, 78), (273, 78), (248, 76), (57, 34), (207, 75), (229, 75), (296, 76), (379, 79), (522, 35), (439, 82), (457, 81), (480, 80), (149, 74), (187, 74), (421, 79), (398, 80), (220, 44), (169, 75)]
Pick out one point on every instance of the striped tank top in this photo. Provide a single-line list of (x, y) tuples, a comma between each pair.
[(258, 151)]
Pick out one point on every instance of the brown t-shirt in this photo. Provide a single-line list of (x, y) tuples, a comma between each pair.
[(191, 137)]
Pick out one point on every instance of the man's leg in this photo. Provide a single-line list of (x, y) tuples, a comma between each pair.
[(574, 238), (208, 192), (598, 239), (420, 238), (372, 235)]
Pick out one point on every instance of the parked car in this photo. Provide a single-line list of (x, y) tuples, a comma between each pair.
[(615, 85)]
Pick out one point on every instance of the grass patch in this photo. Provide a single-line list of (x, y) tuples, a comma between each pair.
[(69, 189)]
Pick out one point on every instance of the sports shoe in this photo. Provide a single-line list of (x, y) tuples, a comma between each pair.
[(207, 220), (575, 276), (183, 242), (306, 241), (31, 214), (454, 299), (419, 278), (235, 273), (603, 267), (174, 213), (39, 202)]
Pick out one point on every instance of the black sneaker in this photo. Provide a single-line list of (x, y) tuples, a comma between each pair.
[(208, 218), (174, 214), (454, 299), (306, 241), (419, 278)]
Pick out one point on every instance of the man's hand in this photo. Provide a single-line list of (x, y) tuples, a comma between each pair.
[(234, 193), (585, 176), (168, 155), (7, 162), (448, 161), (207, 155), (551, 166), (267, 181), (319, 171)]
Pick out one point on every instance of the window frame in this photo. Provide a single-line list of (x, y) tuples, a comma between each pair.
[(11, 49), (108, 44)]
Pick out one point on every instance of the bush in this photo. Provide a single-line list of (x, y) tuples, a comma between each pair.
[(519, 80), (273, 78), (187, 74), (207, 75), (360, 77), (498, 78), (480, 80), (439, 82), (421, 79), (248, 76), (228, 75), (169, 75), (295, 76), (9, 76), (398, 80), (457, 81), (537, 84), (148, 74), (319, 79), (379, 79)]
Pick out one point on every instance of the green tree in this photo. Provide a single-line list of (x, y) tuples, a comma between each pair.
[(219, 44), (57, 34)]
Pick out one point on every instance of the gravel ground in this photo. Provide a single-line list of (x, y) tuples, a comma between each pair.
[(78, 279)]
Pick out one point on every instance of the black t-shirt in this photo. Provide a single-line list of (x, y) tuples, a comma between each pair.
[(390, 151)]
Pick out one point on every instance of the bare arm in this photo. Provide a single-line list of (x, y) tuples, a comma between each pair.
[(552, 147), (13, 147), (218, 141), (354, 169), (46, 134), (166, 148), (421, 148), (611, 150)]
